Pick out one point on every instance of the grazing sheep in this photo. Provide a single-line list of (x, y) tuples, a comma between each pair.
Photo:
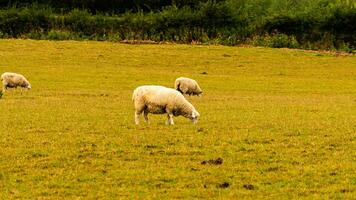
[(187, 86), (160, 100), (13, 80)]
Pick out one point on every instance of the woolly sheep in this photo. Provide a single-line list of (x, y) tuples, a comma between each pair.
[(187, 86), (160, 100), (13, 80)]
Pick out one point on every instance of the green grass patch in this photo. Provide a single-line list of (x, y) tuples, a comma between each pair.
[(283, 121)]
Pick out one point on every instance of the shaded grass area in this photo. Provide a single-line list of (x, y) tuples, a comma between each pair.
[(282, 120)]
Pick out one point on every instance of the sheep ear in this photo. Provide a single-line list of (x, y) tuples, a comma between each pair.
[(193, 114)]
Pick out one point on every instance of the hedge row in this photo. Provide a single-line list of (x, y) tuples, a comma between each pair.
[(213, 22)]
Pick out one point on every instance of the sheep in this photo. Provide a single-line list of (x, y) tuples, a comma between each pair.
[(187, 86), (160, 100), (13, 80)]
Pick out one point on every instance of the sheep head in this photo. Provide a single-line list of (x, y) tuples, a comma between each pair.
[(194, 116)]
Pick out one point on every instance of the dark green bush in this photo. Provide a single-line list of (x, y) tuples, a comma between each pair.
[(324, 24), (14, 22), (277, 40), (60, 35), (342, 25), (110, 6)]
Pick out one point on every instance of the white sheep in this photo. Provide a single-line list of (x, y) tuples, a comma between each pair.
[(160, 100), (13, 80), (187, 86)]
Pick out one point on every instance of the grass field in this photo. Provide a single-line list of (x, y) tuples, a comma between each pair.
[(283, 121)]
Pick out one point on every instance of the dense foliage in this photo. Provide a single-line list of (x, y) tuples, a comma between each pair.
[(111, 6), (311, 24)]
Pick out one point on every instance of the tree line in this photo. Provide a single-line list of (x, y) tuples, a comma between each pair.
[(308, 24)]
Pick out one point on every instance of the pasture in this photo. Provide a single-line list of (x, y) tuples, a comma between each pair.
[(283, 121)]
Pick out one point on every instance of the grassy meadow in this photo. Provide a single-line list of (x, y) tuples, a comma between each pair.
[(283, 121)]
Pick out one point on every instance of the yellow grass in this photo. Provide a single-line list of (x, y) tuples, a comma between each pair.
[(283, 121)]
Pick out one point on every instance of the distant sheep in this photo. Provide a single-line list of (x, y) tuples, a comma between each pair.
[(187, 86), (13, 80), (160, 100)]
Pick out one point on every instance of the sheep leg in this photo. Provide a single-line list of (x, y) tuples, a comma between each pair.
[(139, 108), (145, 114), (4, 87), (170, 119), (137, 117)]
